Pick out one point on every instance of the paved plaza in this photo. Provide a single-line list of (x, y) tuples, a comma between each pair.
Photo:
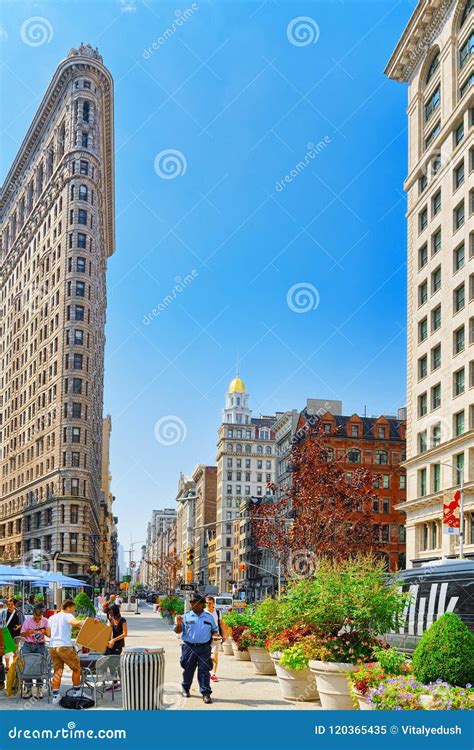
[(238, 686)]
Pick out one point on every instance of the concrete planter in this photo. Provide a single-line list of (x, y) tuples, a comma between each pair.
[(364, 704), (333, 685), (227, 647), (240, 655), (261, 660), (295, 685)]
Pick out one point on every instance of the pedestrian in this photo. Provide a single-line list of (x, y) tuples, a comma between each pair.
[(2, 614), (218, 637), (62, 649), (12, 622), (33, 631), (197, 628), (118, 600), (117, 642)]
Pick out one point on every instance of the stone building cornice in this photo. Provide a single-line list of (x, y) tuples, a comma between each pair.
[(86, 59), (420, 32)]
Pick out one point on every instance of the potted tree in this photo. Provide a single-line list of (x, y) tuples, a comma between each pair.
[(354, 604), (289, 651), (238, 622), (268, 618)]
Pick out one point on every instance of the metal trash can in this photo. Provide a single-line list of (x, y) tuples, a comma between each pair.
[(142, 676)]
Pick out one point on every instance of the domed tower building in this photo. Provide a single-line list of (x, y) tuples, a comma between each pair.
[(246, 462)]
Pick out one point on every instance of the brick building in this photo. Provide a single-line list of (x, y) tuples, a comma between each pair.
[(377, 444)]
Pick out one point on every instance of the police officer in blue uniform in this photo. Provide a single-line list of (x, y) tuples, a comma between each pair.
[(197, 628)]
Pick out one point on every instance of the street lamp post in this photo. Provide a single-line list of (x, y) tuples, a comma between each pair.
[(460, 475)]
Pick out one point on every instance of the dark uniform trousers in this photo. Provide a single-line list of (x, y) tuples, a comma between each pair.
[(196, 655)]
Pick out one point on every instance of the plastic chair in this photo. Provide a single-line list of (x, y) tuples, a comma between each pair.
[(31, 667), (105, 672)]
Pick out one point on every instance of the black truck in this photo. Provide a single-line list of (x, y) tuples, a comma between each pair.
[(435, 588)]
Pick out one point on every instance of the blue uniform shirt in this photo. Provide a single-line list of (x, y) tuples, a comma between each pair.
[(198, 628)]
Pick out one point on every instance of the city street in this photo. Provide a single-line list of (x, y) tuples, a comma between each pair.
[(238, 687)]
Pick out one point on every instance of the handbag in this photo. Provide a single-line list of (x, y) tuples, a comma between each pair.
[(79, 703)]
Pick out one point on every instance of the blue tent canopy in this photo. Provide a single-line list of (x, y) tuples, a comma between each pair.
[(39, 577)]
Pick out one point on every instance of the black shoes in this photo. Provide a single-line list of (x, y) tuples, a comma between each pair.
[(207, 698), (185, 693)]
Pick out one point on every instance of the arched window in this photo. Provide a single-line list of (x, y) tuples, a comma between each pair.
[(433, 67), (381, 458), (248, 449), (238, 400), (268, 450), (83, 192), (260, 450), (238, 448), (354, 456)]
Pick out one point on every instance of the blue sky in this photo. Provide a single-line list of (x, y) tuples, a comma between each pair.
[(240, 90)]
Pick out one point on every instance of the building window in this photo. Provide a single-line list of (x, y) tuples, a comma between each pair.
[(459, 468), (82, 216), (354, 456), (354, 430), (385, 505), (77, 361), (422, 293), (423, 256), (458, 257), (436, 357), (459, 423), (84, 140), (422, 331), (423, 219), (459, 341), (403, 481), (81, 240), (422, 404), (76, 434), (433, 133), (422, 442), (84, 167), (458, 216), (432, 104), (436, 242), (466, 85), (435, 203), (422, 482), (436, 280), (422, 183), (458, 382), (436, 396), (459, 175), (78, 312), (422, 367), (459, 298), (436, 435), (83, 192), (76, 410), (459, 133), (381, 458), (436, 318)]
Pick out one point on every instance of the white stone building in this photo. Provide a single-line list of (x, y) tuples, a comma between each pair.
[(435, 58)]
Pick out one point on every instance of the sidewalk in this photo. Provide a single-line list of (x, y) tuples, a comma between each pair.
[(238, 686)]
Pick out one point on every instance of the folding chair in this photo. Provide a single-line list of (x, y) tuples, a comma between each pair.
[(31, 667), (105, 672)]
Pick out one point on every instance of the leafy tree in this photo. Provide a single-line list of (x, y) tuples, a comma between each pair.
[(445, 652), (322, 513), (84, 604)]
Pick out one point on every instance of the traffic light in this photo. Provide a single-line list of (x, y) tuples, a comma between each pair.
[(190, 556), (242, 566)]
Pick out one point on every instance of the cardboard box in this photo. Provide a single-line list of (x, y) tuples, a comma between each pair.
[(94, 635)]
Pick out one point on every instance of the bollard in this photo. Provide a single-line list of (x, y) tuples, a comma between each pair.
[(142, 675)]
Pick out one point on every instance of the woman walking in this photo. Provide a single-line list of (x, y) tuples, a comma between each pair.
[(13, 621)]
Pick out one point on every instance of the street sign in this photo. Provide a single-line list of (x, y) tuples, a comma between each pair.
[(187, 587)]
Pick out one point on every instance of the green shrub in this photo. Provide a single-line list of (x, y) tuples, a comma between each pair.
[(235, 618), (84, 604), (445, 652)]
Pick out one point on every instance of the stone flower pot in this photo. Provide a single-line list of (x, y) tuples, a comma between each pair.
[(363, 702), (240, 655), (261, 660), (295, 685), (227, 647), (332, 684)]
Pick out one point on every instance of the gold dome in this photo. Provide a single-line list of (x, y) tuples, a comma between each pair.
[(237, 385)]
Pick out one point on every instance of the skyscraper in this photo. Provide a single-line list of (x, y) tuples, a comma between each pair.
[(57, 231), (435, 57)]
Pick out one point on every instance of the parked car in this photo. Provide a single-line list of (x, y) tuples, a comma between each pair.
[(436, 588), (224, 602)]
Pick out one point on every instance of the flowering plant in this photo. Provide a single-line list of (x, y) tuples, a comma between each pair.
[(288, 637), (405, 693), (295, 657), (347, 647), (251, 639), (237, 633)]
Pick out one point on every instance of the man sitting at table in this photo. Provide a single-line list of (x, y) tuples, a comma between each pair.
[(33, 631), (62, 648)]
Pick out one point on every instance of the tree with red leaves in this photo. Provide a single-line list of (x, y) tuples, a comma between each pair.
[(321, 514)]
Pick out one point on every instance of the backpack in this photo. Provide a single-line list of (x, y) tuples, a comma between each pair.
[(68, 701)]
